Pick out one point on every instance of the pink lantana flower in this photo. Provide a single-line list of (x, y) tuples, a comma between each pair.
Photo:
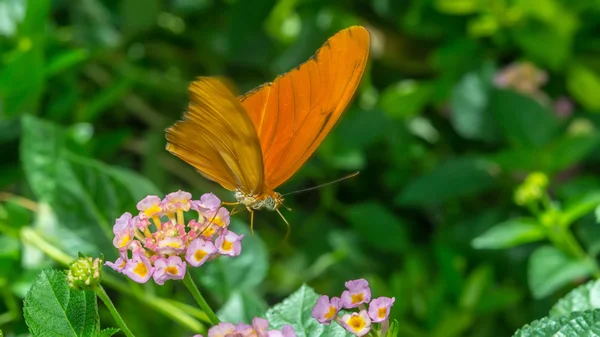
[(150, 207), (358, 324), (220, 217), (138, 268), (118, 265), (165, 249), (179, 200), (172, 268), (199, 251), (229, 243), (207, 202), (258, 328), (123, 231), (358, 293), (379, 308), (223, 330), (286, 331), (325, 310)]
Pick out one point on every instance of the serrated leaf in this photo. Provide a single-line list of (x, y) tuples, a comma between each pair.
[(108, 332), (244, 272), (511, 233), (582, 298), (549, 269), (578, 324), (51, 308), (296, 311)]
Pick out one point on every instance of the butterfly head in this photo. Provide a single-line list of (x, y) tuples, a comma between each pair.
[(270, 201)]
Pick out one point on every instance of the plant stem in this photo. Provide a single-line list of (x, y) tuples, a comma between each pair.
[(573, 245), (189, 283), (113, 311)]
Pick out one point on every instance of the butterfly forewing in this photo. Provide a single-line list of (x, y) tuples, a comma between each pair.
[(293, 114), (217, 137)]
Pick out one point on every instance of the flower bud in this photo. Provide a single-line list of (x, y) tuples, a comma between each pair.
[(85, 273)]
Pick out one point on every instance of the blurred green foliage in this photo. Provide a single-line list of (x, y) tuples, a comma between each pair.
[(462, 99)]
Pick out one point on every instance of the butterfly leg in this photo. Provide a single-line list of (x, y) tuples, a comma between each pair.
[(251, 220), (286, 223)]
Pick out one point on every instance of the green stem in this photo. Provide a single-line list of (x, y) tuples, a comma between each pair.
[(113, 311), (189, 283), (575, 248)]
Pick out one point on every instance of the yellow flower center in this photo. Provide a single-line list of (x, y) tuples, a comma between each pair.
[(330, 313), (124, 241), (218, 221), (173, 244), (171, 270), (141, 269), (152, 210), (356, 323), (227, 245), (123, 264), (381, 312), (356, 298), (199, 254), (208, 231)]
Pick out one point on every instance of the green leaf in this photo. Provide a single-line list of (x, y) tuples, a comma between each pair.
[(242, 306), (65, 60), (380, 227), (549, 269), (51, 308), (457, 7), (244, 272), (12, 12), (576, 209), (583, 84), (456, 178), (558, 155), (22, 72), (394, 329), (132, 22), (511, 233), (583, 298), (405, 99), (296, 311), (578, 324), (85, 195), (470, 98), (516, 114), (108, 332)]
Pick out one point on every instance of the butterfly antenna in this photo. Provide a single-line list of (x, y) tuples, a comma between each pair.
[(323, 185)]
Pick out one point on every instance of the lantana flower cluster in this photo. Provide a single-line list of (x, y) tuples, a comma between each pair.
[(356, 296), (159, 243), (259, 328)]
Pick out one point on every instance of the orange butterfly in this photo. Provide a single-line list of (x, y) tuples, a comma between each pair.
[(254, 143)]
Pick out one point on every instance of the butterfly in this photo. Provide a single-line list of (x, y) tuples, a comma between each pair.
[(253, 143)]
